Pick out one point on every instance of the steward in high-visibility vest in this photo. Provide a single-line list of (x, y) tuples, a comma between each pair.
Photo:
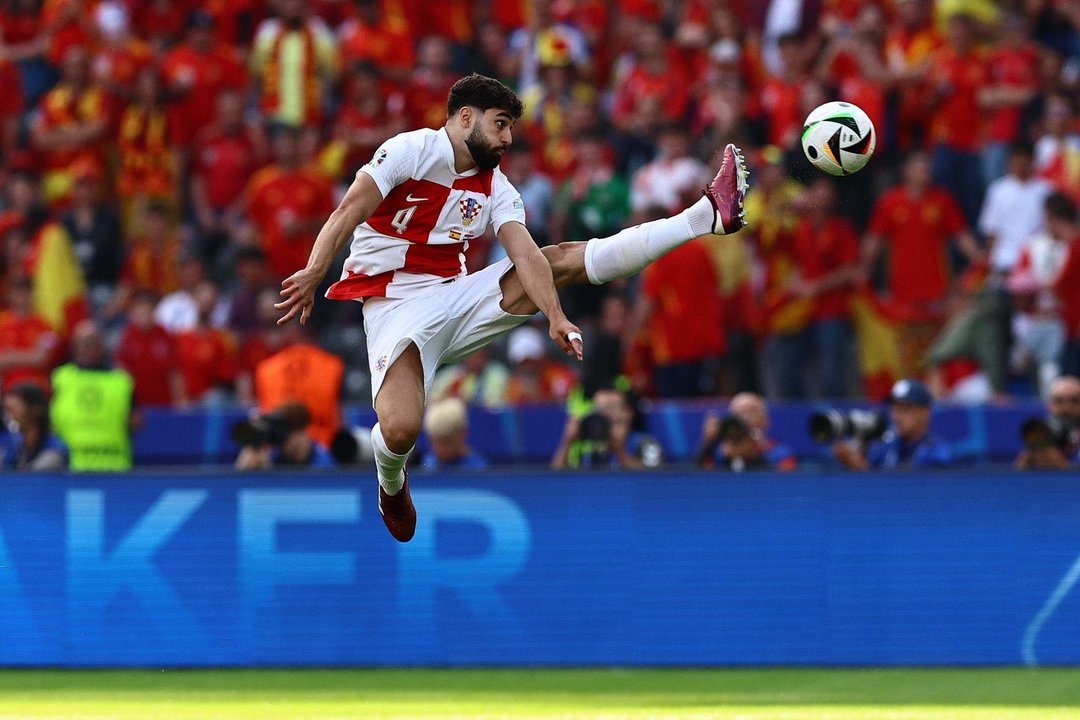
[(91, 407)]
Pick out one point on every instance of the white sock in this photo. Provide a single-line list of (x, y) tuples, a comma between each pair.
[(388, 463), (633, 249)]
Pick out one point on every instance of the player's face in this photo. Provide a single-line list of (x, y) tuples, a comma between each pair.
[(489, 137)]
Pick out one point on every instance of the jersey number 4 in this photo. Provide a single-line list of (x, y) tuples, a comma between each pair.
[(402, 218)]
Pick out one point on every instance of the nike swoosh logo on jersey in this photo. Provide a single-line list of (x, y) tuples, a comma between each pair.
[(410, 198)]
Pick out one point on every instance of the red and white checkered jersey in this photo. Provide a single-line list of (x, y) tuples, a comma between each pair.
[(417, 236)]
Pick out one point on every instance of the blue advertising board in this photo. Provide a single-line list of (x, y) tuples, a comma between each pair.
[(680, 568)]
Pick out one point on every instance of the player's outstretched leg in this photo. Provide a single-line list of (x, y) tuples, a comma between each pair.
[(400, 408), (630, 251), (720, 211)]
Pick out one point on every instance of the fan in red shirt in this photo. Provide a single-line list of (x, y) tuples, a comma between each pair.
[(683, 321), (958, 75), (121, 55), (425, 93), (781, 96), (826, 253), (149, 355), (287, 205), (197, 70), (370, 37), (1014, 78), (909, 44), (226, 155), (28, 345), (153, 261), (207, 355), (1061, 224), (372, 113), (653, 77), (915, 222)]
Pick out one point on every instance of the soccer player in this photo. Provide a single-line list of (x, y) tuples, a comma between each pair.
[(411, 212)]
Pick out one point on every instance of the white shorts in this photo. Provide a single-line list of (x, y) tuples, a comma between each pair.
[(447, 324)]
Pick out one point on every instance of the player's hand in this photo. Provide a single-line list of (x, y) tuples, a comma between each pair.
[(567, 335), (298, 295)]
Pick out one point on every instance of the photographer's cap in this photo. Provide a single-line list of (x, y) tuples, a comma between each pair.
[(910, 392)]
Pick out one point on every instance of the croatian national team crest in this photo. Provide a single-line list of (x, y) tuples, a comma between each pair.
[(469, 210)]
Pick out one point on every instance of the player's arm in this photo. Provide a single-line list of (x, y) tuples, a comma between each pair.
[(534, 272), (298, 290)]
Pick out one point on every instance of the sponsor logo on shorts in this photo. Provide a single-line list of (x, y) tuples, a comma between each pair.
[(380, 364), (469, 210)]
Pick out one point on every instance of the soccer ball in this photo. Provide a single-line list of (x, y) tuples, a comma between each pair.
[(838, 138)]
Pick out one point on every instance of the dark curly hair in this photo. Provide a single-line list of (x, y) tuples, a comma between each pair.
[(483, 93)]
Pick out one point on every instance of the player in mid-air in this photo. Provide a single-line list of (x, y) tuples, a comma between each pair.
[(411, 212)]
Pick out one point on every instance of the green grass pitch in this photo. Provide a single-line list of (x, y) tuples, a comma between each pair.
[(539, 694)]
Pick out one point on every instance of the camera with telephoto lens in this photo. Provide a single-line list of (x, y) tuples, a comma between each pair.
[(262, 430), (1051, 431), (831, 425), (734, 429)]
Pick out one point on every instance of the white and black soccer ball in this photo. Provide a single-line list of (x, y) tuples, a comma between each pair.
[(838, 138)]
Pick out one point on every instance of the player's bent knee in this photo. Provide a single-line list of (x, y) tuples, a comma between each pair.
[(399, 432)]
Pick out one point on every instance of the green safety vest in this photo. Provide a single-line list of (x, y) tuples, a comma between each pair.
[(91, 412)]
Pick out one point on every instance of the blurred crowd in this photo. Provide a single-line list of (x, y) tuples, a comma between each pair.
[(164, 164)]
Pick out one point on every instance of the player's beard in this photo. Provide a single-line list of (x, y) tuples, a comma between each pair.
[(484, 155)]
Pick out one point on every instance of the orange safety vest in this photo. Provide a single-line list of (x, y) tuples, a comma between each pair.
[(307, 374)]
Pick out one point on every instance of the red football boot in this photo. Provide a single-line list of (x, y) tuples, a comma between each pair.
[(398, 512), (727, 191)]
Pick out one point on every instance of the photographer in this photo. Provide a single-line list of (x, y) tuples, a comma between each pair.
[(29, 444), (907, 443), (739, 442), (1051, 443), (279, 439), (605, 437)]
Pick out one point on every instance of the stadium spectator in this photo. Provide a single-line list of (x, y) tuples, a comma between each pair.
[(826, 267), (908, 443), (1013, 81), (251, 281), (30, 443), (206, 354), (149, 355), (781, 96), (915, 222), (682, 323), (149, 159), (671, 178), (479, 379), (178, 310), (603, 365), (154, 253), (1061, 224), (307, 374), (1058, 447), (967, 360), (534, 377), (94, 227), (371, 38), (654, 75), (1037, 326), (69, 125), (286, 205), (557, 87), (605, 437), (1057, 151), (196, 71), (740, 440), (447, 426), (92, 405), (226, 154), (544, 34), (280, 439), (293, 57), (373, 110), (957, 78), (910, 44), (1013, 210), (28, 345), (121, 54), (430, 81), (536, 190)]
